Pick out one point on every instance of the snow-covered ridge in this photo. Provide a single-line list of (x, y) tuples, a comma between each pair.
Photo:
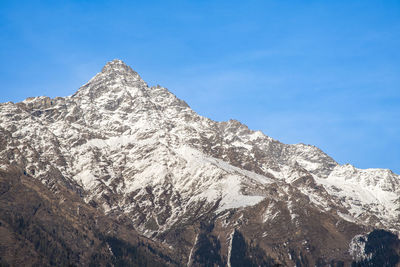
[(373, 191)]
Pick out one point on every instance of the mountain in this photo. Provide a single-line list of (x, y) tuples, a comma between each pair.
[(196, 191)]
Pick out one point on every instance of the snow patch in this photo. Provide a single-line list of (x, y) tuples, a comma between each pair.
[(357, 247)]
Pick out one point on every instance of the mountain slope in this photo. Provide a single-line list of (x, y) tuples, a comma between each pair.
[(139, 153), (42, 229)]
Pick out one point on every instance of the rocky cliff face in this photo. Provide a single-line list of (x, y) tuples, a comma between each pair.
[(215, 193)]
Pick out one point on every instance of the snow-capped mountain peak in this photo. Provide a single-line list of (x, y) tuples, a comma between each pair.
[(117, 66), (139, 151), (116, 78)]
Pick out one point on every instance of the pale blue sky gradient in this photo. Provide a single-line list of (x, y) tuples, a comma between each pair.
[(325, 73)]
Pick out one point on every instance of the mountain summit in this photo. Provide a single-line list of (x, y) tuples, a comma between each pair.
[(117, 65), (206, 193), (117, 68)]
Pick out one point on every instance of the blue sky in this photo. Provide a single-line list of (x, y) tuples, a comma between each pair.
[(325, 73)]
